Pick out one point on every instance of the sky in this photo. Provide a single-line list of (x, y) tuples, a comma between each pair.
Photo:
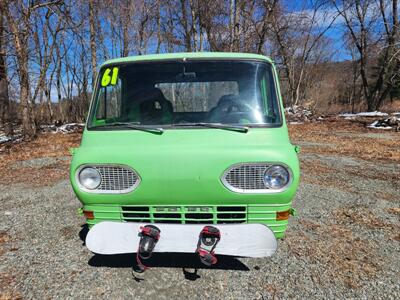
[(324, 17), (336, 32)]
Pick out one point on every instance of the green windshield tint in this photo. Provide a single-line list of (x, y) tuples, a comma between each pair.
[(167, 93)]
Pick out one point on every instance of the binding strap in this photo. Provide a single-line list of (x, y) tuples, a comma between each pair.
[(208, 240), (149, 236)]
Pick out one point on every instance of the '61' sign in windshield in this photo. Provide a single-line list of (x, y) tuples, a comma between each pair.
[(110, 77)]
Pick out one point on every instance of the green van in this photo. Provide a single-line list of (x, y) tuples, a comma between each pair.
[(187, 138)]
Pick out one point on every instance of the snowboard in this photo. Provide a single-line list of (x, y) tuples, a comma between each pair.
[(245, 240)]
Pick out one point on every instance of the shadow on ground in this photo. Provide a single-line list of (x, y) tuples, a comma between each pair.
[(83, 233), (165, 260)]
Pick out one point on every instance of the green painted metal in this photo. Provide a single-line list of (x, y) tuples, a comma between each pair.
[(183, 167), (186, 55)]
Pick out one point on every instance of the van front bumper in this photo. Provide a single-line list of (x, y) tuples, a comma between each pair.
[(275, 216)]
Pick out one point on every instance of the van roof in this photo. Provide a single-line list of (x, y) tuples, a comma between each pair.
[(189, 55)]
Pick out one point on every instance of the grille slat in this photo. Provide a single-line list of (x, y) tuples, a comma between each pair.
[(185, 214), (246, 177)]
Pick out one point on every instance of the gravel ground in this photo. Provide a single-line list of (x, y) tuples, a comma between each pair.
[(344, 244)]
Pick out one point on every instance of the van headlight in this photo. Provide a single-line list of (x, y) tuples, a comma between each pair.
[(89, 178), (276, 177)]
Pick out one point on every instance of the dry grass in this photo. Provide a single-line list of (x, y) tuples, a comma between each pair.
[(368, 219), (35, 176), (363, 217), (346, 258), (360, 147), (46, 145), (330, 182), (374, 174), (4, 237), (7, 280), (316, 172), (315, 167), (386, 196), (394, 210)]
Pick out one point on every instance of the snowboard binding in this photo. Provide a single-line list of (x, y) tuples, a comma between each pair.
[(208, 240), (149, 236)]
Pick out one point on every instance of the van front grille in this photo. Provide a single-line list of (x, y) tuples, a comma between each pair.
[(185, 214)]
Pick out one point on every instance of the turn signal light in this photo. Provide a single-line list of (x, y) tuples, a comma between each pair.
[(88, 214), (282, 215)]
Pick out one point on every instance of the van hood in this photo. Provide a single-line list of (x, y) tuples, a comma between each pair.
[(184, 165)]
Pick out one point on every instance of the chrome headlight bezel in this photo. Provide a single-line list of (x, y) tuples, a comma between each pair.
[(108, 185), (92, 174), (276, 170), (264, 190)]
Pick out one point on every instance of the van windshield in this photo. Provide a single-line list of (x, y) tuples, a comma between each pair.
[(182, 93)]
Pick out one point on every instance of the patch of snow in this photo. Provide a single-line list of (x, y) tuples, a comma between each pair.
[(364, 114), (375, 125), (4, 138), (69, 127), (297, 109), (385, 128)]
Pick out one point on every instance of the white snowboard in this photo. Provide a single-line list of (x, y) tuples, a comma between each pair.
[(246, 240)]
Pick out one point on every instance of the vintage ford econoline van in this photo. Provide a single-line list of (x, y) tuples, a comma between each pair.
[(188, 138)]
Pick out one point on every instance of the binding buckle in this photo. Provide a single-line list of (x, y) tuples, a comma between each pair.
[(149, 236), (208, 240)]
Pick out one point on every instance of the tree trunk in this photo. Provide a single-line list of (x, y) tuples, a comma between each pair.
[(20, 40), (186, 30), (5, 113), (193, 26), (93, 54), (231, 23), (158, 26), (236, 28)]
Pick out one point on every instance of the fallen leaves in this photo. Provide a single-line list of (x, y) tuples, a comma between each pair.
[(394, 210), (4, 237), (361, 216), (340, 138), (7, 281), (347, 259), (45, 146)]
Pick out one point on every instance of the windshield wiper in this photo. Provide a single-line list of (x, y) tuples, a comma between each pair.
[(133, 126), (214, 125)]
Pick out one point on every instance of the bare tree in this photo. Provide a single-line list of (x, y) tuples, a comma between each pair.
[(359, 22), (5, 112), (92, 24), (297, 35), (19, 26)]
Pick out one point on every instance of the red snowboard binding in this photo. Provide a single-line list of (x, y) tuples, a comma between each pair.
[(208, 240), (149, 236)]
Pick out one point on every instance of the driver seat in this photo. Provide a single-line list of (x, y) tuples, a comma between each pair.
[(219, 111), (151, 107)]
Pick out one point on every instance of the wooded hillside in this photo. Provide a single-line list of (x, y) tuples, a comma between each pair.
[(328, 52)]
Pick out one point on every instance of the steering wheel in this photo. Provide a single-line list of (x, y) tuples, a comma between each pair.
[(236, 112)]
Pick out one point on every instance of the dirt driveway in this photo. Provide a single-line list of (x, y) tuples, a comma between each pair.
[(344, 243)]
